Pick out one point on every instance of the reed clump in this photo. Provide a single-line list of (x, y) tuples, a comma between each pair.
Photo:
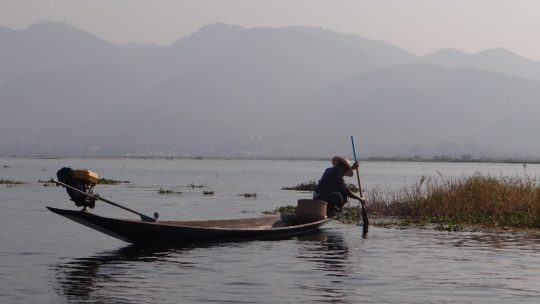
[(472, 200)]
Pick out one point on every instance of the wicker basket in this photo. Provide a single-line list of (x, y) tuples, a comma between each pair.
[(311, 210)]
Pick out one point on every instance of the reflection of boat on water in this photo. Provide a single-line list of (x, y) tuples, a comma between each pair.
[(329, 253), (178, 232), (83, 279), (129, 274), (329, 250)]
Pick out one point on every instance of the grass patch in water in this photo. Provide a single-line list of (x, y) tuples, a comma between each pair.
[(106, 181), (47, 183), (168, 191), (473, 200), (304, 186), (310, 186), (192, 185), (283, 210), (10, 182), (477, 200)]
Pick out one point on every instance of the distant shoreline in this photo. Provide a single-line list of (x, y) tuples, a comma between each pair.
[(508, 160)]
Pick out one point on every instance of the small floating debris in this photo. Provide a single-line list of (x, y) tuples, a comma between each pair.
[(192, 185), (208, 192), (168, 191), (47, 183), (248, 195)]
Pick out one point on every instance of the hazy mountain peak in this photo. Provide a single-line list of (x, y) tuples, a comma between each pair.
[(52, 26), (208, 33), (222, 25), (240, 79), (446, 52), (501, 53), (497, 51), (49, 23), (219, 28), (58, 32)]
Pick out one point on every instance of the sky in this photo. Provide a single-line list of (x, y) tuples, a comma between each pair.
[(418, 26)]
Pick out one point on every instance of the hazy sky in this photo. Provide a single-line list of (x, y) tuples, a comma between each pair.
[(419, 26)]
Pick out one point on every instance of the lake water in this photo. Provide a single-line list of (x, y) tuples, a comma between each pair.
[(45, 258)]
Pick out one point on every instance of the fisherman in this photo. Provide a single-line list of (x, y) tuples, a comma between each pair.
[(332, 188)]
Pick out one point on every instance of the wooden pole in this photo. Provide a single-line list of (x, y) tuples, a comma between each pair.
[(365, 219)]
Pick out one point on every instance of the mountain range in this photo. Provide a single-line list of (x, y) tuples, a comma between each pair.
[(230, 91)]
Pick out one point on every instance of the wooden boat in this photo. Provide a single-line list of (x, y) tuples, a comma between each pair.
[(178, 232)]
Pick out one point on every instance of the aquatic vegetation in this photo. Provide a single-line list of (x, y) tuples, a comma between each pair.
[(487, 201), (168, 191), (350, 215), (10, 182), (192, 185), (449, 227), (47, 183), (310, 186), (106, 181), (283, 210), (305, 186), (473, 200)]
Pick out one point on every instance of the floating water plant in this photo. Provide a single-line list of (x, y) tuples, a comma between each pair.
[(305, 186), (168, 191), (10, 182), (310, 186), (47, 183), (192, 185), (284, 210), (106, 181)]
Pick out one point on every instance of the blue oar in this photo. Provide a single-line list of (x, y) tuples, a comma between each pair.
[(364, 212)]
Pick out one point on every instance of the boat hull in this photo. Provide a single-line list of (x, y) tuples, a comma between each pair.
[(179, 232)]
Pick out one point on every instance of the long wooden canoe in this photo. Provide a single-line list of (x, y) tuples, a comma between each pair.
[(179, 232)]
